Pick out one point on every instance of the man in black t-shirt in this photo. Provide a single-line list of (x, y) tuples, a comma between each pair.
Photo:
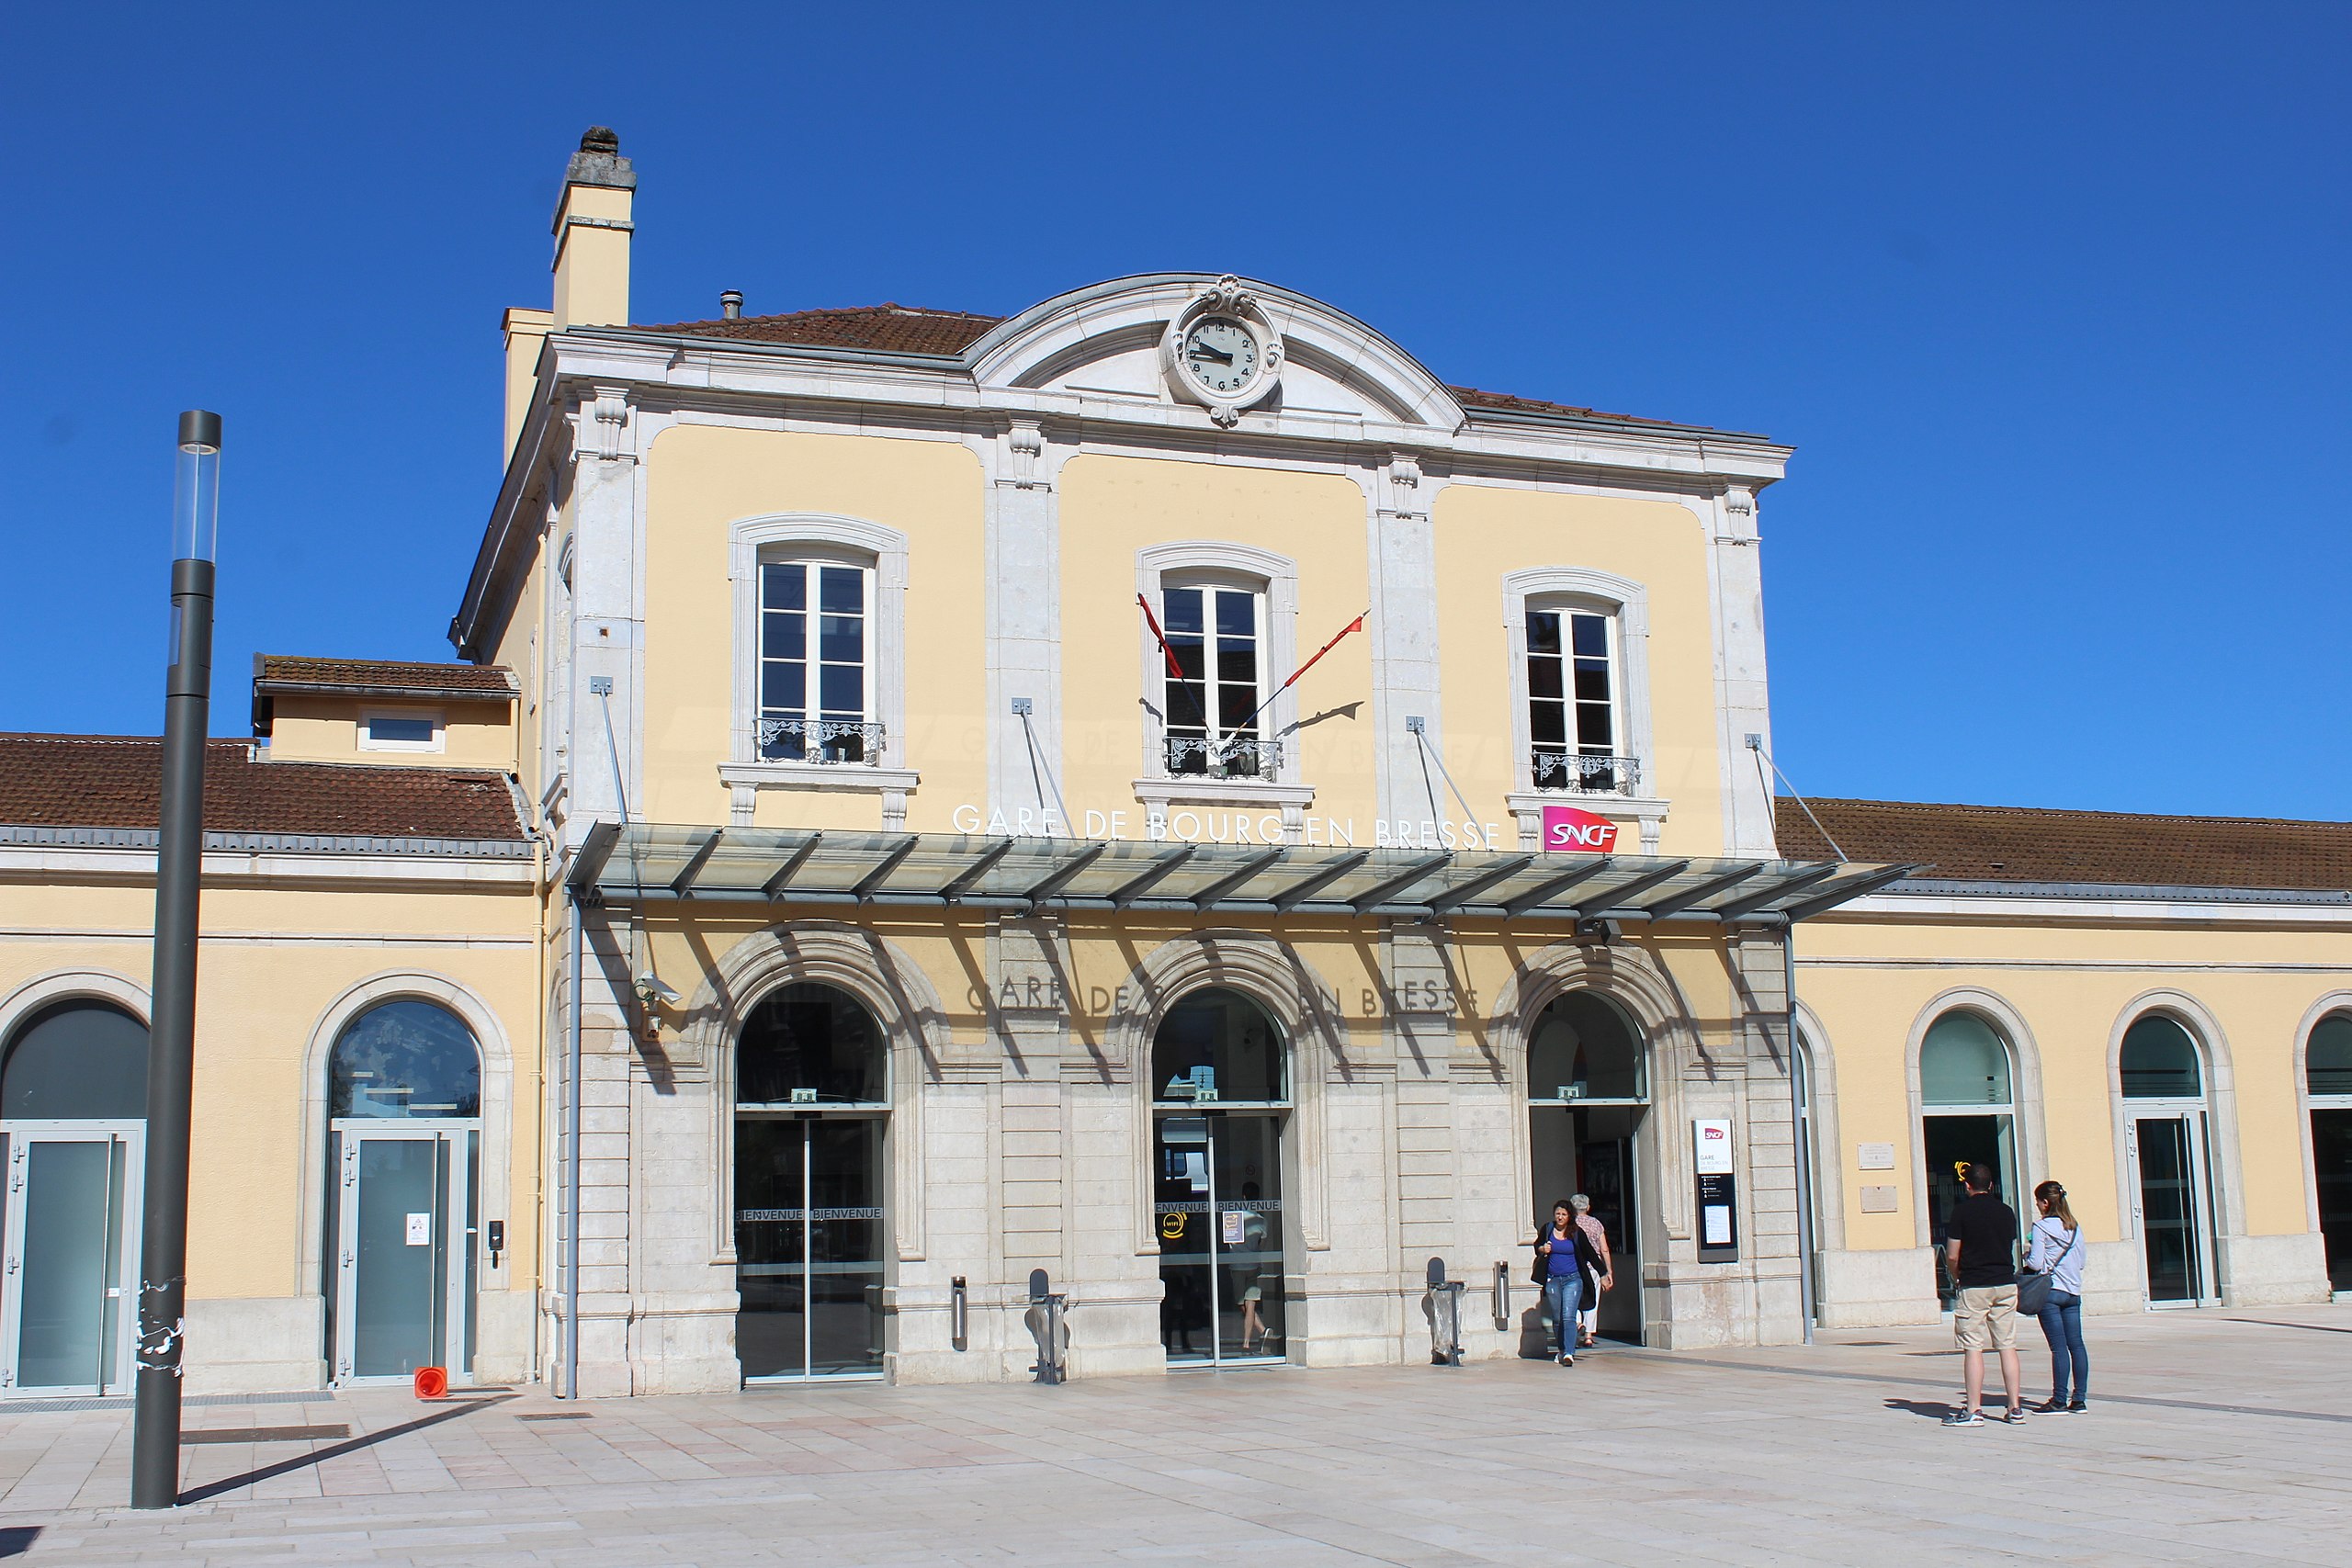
[(1981, 1251)]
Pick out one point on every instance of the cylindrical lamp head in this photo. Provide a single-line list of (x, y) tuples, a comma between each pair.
[(196, 501)]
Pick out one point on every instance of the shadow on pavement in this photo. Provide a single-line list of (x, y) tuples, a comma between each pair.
[(333, 1450), (17, 1539), (1933, 1409)]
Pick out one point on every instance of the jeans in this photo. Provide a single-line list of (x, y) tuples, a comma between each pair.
[(2062, 1324), (1562, 1292)]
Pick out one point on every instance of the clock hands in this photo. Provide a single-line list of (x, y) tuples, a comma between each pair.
[(1197, 349)]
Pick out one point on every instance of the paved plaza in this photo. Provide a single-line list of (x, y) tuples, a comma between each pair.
[(2215, 1437)]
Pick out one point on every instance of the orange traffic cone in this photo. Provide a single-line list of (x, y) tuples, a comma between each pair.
[(432, 1382)]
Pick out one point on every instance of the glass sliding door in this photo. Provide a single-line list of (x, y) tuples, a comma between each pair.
[(403, 1263), (2162, 1082), (71, 1247)]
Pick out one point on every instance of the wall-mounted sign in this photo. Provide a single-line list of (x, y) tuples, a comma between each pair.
[(1710, 1140), (1874, 1156), (1574, 830), (1877, 1200)]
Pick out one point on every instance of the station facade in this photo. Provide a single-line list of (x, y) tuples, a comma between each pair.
[(1156, 800)]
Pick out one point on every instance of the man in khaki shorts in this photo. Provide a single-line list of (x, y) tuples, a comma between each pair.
[(1981, 1251)]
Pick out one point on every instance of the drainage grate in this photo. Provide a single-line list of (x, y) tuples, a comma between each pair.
[(262, 1434), (556, 1416)]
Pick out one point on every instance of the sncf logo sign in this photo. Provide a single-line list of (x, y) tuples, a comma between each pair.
[(1578, 831)]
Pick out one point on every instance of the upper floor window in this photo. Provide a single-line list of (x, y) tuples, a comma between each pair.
[(409, 731), (1575, 734), (1214, 681), (816, 658)]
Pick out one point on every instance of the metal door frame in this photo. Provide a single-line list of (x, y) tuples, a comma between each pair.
[(2205, 1285), (458, 1238), (20, 1136), (803, 1120), (1211, 1115)]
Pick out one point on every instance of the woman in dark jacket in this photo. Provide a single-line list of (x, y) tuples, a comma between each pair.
[(1563, 1257)]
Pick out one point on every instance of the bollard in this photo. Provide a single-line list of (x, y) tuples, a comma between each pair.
[(1445, 1316), (1046, 1309), (959, 1316), (1502, 1298)]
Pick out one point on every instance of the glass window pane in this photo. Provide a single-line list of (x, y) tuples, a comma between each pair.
[(61, 1304), (1592, 681), (841, 640), (842, 590), (1182, 612), (2160, 1061), (809, 1044), (1236, 614), (1594, 731), (1544, 678), (1583, 1047), (396, 1307), (2327, 1061), (389, 727), (1963, 1061), (783, 689), (784, 586), (1217, 1044), (783, 634), (1543, 631), (405, 1058), (844, 690), (1236, 660), (1184, 706), (1592, 637), (1235, 707), (74, 1060), (1547, 724)]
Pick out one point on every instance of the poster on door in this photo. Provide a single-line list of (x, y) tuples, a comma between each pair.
[(419, 1230)]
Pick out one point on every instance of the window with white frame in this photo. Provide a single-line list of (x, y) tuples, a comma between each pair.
[(406, 731), (1576, 726), (816, 660), (1213, 680)]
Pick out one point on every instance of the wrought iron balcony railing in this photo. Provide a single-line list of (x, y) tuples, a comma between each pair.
[(1237, 757), (1579, 774), (828, 741)]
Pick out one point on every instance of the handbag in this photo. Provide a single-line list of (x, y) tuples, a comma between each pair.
[(2034, 1285)]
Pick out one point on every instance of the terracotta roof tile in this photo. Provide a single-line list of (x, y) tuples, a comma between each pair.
[(287, 671), (2012, 843), (102, 780)]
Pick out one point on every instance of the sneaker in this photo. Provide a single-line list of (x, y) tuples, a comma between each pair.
[(2051, 1407), (2080, 1407), (2016, 1418), (1567, 1360), (1965, 1418)]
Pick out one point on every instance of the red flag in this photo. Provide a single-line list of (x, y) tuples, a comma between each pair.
[(1175, 670), (1354, 625)]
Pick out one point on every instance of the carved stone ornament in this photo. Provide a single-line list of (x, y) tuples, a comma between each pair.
[(1222, 352)]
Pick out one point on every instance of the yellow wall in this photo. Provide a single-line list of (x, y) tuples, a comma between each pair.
[(701, 479), (1483, 534), (1111, 507), (326, 729), (1870, 982)]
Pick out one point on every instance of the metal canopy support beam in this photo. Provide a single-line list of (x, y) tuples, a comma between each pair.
[(1373, 896), (880, 874), (1067, 872), (596, 849), (1299, 891), (1838, 893), (1616, 896), (792, 862), (1207, 896), (684, 883), (1127, 891), (1478, 885), (978, 869), (1734, 908), (1545, 891), (1674, 902)]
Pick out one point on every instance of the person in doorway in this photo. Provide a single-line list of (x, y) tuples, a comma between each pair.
[(1604, 1279), (1252, 1272), (2056, 1250), (1561, 1255), (1981, 1249)]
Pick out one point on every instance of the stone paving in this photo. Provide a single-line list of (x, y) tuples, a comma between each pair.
[(2215, 1437)]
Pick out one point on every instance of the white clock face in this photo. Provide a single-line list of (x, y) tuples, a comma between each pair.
[(1221, 354)]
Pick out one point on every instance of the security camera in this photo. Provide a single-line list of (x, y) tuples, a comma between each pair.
[(652, 986), (1599, 930)]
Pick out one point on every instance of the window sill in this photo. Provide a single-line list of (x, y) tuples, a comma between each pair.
[(1266, 793), (817, 775)]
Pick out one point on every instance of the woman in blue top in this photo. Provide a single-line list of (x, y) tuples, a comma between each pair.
[(1562, 1255), (2057, 1251)]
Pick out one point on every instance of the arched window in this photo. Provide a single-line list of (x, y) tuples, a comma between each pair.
[(2160, 1061), (402, 1059), (76, 1060), (1218, 1045), (1963, 1061), (1584, 1048), (2327, 1064), (811, 1044), (2327, 1074)]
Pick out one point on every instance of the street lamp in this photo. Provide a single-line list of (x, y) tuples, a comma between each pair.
[(171, 1046)]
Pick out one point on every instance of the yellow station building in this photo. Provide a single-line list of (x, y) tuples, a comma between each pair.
[(870, 871)]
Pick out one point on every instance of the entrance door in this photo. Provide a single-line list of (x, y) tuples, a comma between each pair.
[(403, 1250), (66, 1323), (1953, 1145), (809, 1246), (1591, 1149), (2170, 1205), (1217, 1205), (2332, 1170)]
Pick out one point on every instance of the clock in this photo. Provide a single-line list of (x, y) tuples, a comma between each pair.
[(1222, 351)]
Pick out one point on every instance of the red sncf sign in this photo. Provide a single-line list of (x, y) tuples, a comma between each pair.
[(1578, 831)]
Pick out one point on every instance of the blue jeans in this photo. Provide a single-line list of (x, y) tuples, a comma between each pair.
[(2062, 1324), (1563, 1293)]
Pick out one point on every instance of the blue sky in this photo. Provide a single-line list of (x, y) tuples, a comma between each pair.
[(2051, 299)]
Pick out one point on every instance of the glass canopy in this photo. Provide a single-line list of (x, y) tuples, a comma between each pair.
[(649, 862)]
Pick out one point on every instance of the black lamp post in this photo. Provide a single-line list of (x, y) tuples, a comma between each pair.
[(171, 1049)]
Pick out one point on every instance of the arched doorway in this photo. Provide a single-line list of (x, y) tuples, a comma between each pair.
[(2163, 1084), (1220, 1074), (1587, 1094), (812, 1109), (404, 1152), (1968, 1116), (2327, 1079), (73, 1131)]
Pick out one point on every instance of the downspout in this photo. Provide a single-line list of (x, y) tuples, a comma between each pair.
[(571, 1164), (1803, 1109)]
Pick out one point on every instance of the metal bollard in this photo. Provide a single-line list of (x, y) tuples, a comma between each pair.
[(1502, 1298), (1046, 1307), (1445, 1316), (959, 1316)]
